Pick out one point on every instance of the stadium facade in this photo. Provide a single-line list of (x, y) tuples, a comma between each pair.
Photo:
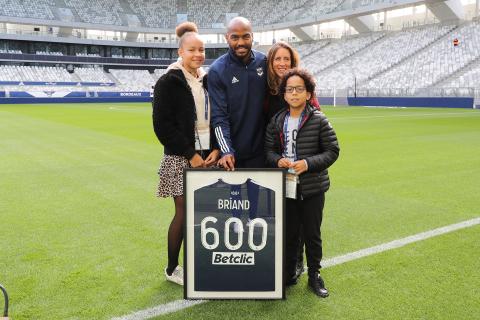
[(374, 52)]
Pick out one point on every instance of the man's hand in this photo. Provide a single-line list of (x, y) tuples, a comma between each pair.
[(284, 163), (228, 162), (299, 166), (196, 161), (212, 158)]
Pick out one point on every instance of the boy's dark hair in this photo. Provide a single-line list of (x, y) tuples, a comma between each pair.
[(302, 73)]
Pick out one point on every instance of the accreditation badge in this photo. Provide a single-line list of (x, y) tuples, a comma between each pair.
[(291, 182)]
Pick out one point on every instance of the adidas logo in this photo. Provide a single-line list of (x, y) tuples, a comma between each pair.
[(235, 80)]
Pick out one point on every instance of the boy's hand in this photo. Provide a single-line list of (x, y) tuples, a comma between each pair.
[(299, 166), (284, 163)]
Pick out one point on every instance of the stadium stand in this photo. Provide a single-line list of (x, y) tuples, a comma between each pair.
[(305, 49), (98, 11), (206, 13), (338, 50), (11, 51), (28, 9), (34, 73), (162, 14), (315, 8), (266, 12), (123, 80), (11, 8), (365, 3), (384, 63), (92, 75), (28, 88), (158, 73), (380, 56), (132, 80), (49, 53), (468, 79), (80, 54), (155, 13), (434, 63)]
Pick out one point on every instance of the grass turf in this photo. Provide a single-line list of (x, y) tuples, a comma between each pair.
[(420, 281), (83, 237)]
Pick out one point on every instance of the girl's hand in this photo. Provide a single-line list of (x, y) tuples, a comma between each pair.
[(197, 161), (212, 158)]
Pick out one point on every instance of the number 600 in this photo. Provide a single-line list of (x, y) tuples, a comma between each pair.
[(206, 230)]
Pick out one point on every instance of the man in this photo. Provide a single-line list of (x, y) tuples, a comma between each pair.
[(237, 84)]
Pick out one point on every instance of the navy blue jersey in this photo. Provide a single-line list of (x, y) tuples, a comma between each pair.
[(251, 265), (237, 92)]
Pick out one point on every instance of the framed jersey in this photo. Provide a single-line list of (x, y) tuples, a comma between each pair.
[(234, 234)]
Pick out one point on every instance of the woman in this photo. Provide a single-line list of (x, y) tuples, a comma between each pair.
[(181, 120), (301, 139), (280, 58)]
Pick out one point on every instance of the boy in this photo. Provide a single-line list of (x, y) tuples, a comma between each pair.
[(302, 140)]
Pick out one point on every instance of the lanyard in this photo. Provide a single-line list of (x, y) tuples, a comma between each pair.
[(197, 135), (205, 92)]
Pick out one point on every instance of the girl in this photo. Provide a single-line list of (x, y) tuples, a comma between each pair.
[(301, 139), (181, 120)]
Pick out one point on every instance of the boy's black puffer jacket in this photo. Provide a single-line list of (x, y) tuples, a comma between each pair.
[(316, 143)]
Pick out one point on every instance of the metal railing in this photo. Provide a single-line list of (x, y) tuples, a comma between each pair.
[(467, 92), (5, 308), (25, 57), (166, 39)]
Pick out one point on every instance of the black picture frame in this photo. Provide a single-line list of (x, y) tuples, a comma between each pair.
[(267, 179)]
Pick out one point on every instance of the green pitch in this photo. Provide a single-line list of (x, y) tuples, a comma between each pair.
[(82, 235)]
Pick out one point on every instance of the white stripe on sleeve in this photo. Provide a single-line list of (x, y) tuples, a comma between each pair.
[(221, 140)]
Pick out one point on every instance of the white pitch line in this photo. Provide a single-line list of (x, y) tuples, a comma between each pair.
[(178, 305), (170, 307), (413, 115), (398, 243)]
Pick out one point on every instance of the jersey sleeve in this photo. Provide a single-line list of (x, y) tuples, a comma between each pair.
[(220, 116)]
